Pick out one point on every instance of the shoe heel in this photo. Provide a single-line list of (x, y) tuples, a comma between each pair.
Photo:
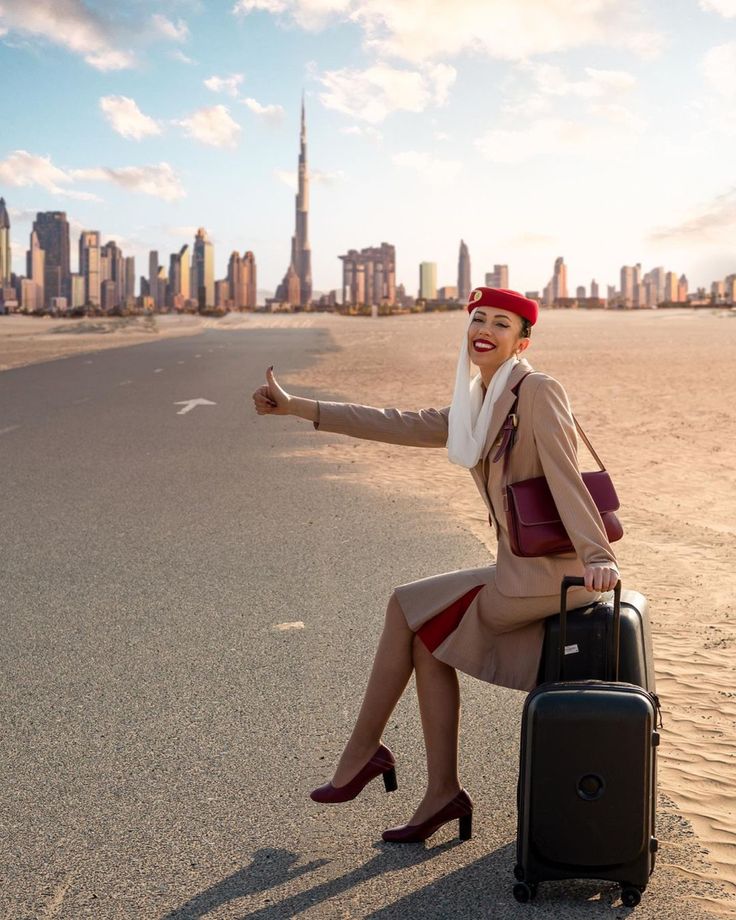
[(389, 780), (465, 825)]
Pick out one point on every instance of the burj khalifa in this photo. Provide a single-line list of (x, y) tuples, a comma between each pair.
[(296, 288)]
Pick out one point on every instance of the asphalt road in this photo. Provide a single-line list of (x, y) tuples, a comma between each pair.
[(160, 733)]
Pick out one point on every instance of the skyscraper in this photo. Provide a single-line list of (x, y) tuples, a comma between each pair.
[(203, 270), (112, 256), (498, 278), (5, 264), (559, 280), (89, 265), (248, 280), (428, 280), (52, 228), (179, 277), (301, 253), (369, 276), (129, 276), (627, 285), (36, 270), (153, 277), (463, 273)]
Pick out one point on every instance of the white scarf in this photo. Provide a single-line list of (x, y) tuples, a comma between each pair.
[(470, 412)]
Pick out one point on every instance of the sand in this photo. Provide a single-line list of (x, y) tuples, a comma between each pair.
[(655, 392), (30, 339)]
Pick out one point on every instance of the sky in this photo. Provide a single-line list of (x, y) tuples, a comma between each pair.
[(598, 130)]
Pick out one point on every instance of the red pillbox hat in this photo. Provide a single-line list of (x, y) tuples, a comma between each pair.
[(505, 300)]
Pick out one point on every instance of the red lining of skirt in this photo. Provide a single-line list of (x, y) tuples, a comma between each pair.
[(434, 632)]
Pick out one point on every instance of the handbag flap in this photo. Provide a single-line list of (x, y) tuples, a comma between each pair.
[(535, 505)]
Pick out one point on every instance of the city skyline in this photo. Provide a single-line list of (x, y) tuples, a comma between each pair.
[(603, 133), (106, 278)]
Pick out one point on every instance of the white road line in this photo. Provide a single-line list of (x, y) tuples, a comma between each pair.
[(179, 362), (84, 399), (198, 356), (190, 404), (158, 370), (124, 383), (9, 428), (283, 627)]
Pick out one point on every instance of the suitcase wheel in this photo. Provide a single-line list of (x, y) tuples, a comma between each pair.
[(524, 892), (630, 896), (519, 872)]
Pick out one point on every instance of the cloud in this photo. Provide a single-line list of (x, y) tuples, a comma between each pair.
[(212, 126), (228, 85), (72, 25), (176, 32), (309, 14), (273, 113), (376, 92), (726, 8), (552, 81), (126, 118), (423, 30), (367, 131), (433, 169), (267, 6), (712, 222), (159, 181), (21, 168), (719, 69), (178, 55)]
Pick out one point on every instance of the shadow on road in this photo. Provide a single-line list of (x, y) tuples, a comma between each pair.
[(470, 892), (273, 867)]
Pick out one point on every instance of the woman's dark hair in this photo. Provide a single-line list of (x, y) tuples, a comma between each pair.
[(526, 328)]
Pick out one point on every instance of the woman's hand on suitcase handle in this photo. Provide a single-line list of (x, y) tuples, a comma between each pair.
[(600, 577)]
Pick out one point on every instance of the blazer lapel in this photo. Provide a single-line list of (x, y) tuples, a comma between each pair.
[(503, 405)]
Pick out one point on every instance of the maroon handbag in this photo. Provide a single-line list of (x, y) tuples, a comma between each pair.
[(533, 521)]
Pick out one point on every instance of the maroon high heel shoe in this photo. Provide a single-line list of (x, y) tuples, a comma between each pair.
[(382, 762), (460, 807)]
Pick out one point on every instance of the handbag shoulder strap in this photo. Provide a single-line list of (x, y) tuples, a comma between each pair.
[(511, 423)]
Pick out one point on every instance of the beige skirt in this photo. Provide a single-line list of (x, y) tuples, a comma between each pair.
[(465, 621)]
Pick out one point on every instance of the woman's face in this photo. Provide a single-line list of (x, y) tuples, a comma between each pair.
[(493, 337)]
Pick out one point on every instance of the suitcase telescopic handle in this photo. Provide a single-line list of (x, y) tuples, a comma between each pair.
[(570, 581)]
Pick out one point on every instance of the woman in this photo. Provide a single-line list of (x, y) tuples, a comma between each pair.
[(489, 621)]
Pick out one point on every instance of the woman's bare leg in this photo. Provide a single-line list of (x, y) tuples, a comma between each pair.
[(438, 692), (390, 674)]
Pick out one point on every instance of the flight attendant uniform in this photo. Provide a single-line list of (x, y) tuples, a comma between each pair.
[(489, 621)]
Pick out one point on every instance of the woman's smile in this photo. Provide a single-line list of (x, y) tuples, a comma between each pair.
[(483, 345)]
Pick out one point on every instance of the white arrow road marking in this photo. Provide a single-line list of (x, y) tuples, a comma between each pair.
[(189, 404), (9, 428), (282, 627)]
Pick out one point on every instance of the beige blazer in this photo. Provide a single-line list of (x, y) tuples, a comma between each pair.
[(546, 444)]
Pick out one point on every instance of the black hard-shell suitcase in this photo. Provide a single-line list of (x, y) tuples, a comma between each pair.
[(587, 782), (590, 646)]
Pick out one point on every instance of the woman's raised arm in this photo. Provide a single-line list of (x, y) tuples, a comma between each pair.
[(425, 428)]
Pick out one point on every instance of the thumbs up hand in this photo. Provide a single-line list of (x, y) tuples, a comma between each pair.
[(272, 398)]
